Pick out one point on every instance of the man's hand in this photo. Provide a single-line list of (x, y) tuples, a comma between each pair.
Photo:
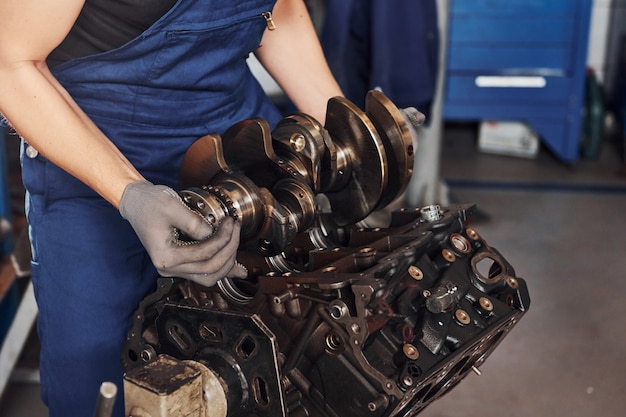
[(157, 213)]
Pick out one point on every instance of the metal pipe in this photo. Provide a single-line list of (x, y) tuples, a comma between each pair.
[(106, 400)]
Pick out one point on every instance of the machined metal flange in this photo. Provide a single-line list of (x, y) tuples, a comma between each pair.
[(355, 135), (248, 146), (396, 138), (202, 162)]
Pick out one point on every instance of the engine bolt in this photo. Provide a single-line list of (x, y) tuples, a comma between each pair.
[(472, 234), (407, 381), (297, 142), (462, 316), (338, 310), (410, 351), (200, 205), (512, 282), (379, 402), (355, 328), (416, 273), (148, 354), (426, 293), (448, 255), (486, 304)]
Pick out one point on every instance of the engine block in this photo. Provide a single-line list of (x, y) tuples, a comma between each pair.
[(337, 318)]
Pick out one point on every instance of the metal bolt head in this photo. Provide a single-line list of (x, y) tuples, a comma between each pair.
[(448, 255), (472, 234), (410, 351), (485, 304), (148, 354), (416, 273), (512, 282), (297, 142), (462, 316)]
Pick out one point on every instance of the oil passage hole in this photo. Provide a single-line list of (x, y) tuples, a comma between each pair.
[(179, 336), (132, 355), (261, 395), (460, 243), (246, 348), (210, 333), (265, 246), (414, 370), (487, 269)]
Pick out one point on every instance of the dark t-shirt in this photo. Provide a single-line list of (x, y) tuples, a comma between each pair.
[(104, 25)]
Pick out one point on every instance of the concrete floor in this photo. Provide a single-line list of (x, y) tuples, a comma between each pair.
[(563, 229)]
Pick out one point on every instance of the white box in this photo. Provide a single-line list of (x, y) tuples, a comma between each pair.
[(508, 138)]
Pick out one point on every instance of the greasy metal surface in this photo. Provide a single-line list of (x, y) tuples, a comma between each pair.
[(334, 320), (301, 137), (396, 138), (351, 129), (381, 323), (168, 387), (271, 180), (203, 161)]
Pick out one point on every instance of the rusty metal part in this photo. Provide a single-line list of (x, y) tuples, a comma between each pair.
[(169, 387)]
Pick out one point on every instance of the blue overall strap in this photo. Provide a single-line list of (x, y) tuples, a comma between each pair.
[(186, 76)]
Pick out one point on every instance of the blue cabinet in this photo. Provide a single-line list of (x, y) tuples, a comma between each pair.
[(520, 60)]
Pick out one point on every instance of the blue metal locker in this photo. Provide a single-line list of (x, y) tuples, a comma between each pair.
[(520, 60)]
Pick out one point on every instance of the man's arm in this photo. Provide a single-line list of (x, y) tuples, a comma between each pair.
[(293, 56), (40, 109)]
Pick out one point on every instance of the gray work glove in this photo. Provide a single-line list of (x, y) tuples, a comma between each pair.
[(157, 213)]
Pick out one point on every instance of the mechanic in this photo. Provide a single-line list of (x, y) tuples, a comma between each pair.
[(107, 96)]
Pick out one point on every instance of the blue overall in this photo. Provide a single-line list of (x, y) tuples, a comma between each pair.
[(185, 77)]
